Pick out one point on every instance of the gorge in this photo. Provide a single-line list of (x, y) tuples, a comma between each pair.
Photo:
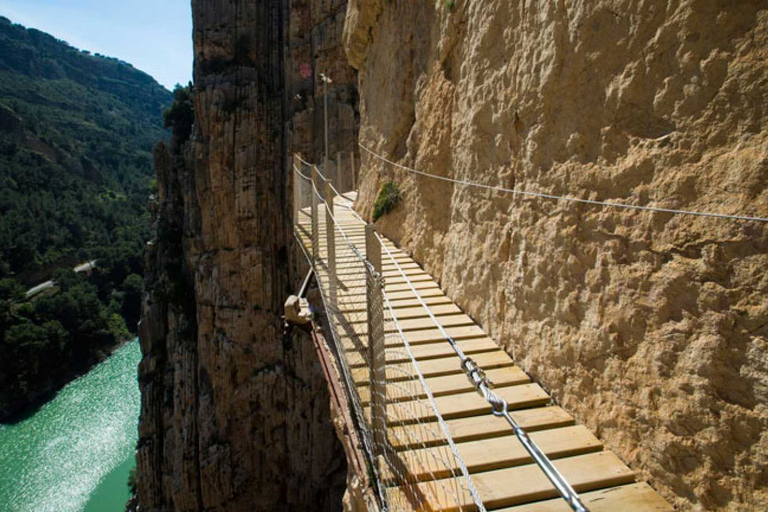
[(650, 328)]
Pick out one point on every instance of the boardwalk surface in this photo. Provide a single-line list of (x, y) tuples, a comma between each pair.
[(501, 469)]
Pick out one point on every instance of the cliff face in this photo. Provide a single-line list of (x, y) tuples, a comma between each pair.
[(652, 328), (315, 47), (235, 414)]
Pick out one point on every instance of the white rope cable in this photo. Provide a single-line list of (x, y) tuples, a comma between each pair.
[(542, 195), (312, 165), (296, 169), (499, 406), (302, 160), (430, 397)]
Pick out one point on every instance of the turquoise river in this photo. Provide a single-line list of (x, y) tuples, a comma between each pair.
[(75, 452)]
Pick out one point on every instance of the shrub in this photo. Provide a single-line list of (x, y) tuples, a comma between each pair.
[(132, 482), (450, 4), (389, 197), (181, 114)]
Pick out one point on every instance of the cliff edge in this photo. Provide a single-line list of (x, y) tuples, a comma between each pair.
[(235, 412)]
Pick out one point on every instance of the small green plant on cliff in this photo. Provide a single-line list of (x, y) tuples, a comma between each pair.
[(132, 482), (389, 197), (181, 114), (449, 4)]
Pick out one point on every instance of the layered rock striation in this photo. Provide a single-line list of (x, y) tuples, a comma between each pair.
[(235, 412), (651, 327)]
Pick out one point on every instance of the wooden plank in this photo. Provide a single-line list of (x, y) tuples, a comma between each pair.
[(438, 367), (356, 305), (356, 269), (392, 288), (501, 452), (459, 332), (436, 350), (408, 265), (525, 484), (401, 257), (446, 320), (414, 276), (423, 328), (441, 386), (401, 287), (483, 426), (638, 497), (466, 404), (395, 295), (416, 312), (352, 295), (420, 312), (397, 353)]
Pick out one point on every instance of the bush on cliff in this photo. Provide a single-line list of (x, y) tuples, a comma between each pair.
[(389, 197)]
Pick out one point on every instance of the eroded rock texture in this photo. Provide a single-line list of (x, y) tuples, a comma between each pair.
[(652, 328), (235, 414)]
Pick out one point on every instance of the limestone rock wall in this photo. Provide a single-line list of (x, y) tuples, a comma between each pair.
[(652, 328), (315, 47), (235, 413)]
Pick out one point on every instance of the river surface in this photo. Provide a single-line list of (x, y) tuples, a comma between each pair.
[(75, 452)]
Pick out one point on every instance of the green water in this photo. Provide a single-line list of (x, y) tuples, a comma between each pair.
[(75, 452)]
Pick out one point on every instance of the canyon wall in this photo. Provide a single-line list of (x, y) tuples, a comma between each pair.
[(652, 328), (235, 412)]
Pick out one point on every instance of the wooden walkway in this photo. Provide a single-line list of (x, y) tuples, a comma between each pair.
[(501, 469)]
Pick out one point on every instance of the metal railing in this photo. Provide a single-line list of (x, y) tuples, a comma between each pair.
[(413, 463)]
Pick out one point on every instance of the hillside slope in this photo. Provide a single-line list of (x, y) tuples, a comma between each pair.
[(652, 328), (76, 133)]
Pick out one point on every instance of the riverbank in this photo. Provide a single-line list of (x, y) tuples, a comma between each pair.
[(74, 452), (25, 406), (61, 334)]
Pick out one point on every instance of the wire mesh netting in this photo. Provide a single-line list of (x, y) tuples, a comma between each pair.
[(413, 462)]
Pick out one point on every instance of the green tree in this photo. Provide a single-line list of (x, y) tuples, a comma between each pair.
[(181, 114), (11, 290)]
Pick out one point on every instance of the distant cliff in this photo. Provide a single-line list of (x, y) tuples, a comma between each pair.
[(651, 328), (235, 414)]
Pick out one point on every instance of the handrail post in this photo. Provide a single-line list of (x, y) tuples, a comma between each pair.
[(315, 220), (330, 232), (352, 165), (341, 183), (296, 190), (376, 343)]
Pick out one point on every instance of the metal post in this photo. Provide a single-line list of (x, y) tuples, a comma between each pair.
[(327, 169), (341, 183), (325, 102), (296, 190), (326, 81), (315, 221), (352, 164), (330, 232), (376, 349)]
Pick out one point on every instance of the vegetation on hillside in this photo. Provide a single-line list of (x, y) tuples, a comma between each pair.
[(180, 116), (76, 134)]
